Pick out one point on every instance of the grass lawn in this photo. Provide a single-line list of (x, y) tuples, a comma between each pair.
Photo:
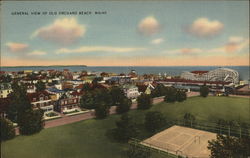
[(87, 139)]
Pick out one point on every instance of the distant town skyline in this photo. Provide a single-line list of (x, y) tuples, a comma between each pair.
[(160, 33)]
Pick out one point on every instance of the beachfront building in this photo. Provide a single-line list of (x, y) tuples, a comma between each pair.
[(5, 90), (217, 75)]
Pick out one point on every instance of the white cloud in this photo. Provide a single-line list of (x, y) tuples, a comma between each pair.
[(37, 52), (85, 49), (157, 41), (234, 44), (235, 39), (186, 51), (203, 27), (149, 26), (17, 47), (62, 31)]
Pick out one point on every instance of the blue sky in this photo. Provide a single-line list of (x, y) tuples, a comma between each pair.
[(129, 34)]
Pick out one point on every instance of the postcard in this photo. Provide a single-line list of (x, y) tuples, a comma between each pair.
[(125, 79)]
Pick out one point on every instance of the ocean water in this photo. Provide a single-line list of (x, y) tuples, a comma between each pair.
[(169, 70)]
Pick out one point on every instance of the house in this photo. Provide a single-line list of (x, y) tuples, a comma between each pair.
[(41, 100), (67, 102), (5, 90), (120, 80), (55, 92), (147, 89), (31, 88), (131, 91)]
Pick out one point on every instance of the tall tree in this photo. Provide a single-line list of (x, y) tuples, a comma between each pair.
[(126, 129), (87, 100), (160, 90), (101, 110), (20, 111), (154, 121), (117, 95), (19, 102), (30, 121), (229, 147), (181, 95), (204, 90), (7, 129), (170, 95), (144, 101), (124, 105)]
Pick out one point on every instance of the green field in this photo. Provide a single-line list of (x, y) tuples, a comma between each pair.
[(87, 139)]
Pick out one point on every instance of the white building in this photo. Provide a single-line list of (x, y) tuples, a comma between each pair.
[(5, 89), (131, 91)]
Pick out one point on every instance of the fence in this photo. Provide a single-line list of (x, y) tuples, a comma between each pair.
[(231, 130), (236, 130)]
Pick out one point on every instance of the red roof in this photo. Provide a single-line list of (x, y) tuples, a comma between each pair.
[(195, 81), (199, 72), (79, 86), (75, 93), (36, 95)]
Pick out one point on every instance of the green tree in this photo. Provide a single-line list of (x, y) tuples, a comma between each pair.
[(102, 95), (229, 147), (87, 100), (160, 90), (189, 119), (40, 86), (126, 129), (124, 105), (86, 87), (144, 101), (181, 95), (170, 96), (154, 121), (5, 78), (204, 90), (7, 129), (101, 110), (30, 121), (19, 102), (117, 95), (135, 151)]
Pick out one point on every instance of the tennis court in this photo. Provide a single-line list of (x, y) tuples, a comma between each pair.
[(182, 141)]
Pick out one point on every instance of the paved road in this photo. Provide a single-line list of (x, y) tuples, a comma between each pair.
[(70, 119), (90, 115)]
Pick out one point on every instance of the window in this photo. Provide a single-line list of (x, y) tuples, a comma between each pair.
[(34, 99), (46, 97)]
